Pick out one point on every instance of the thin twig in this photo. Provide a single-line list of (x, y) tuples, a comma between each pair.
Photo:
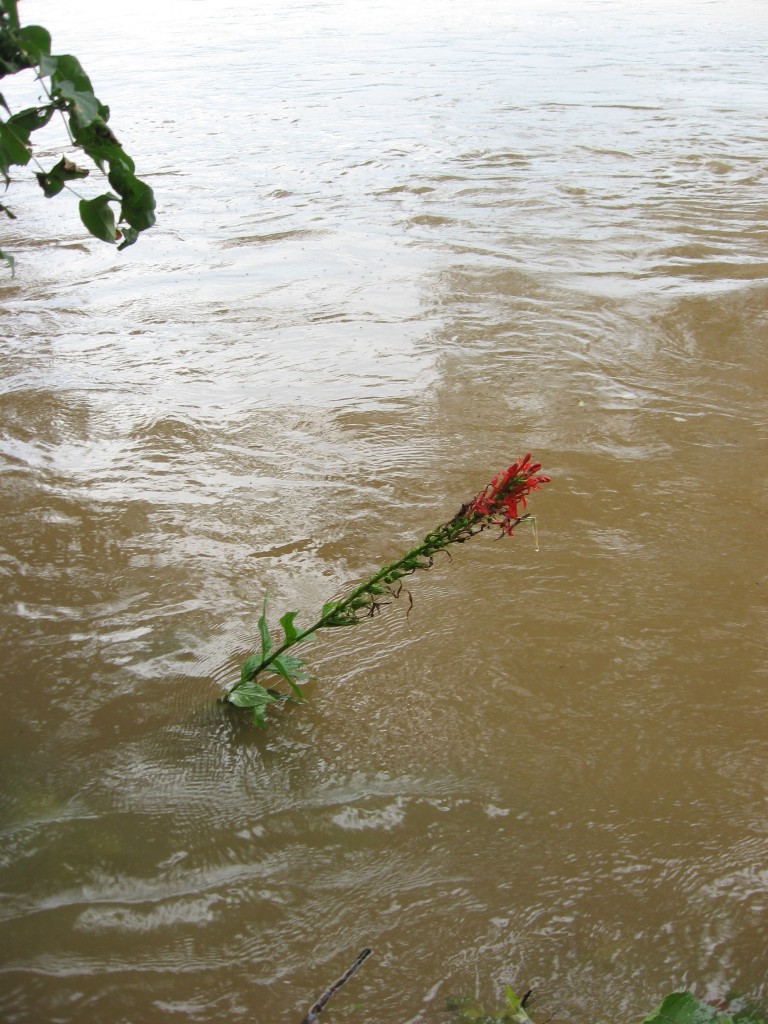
[(315, 1011)]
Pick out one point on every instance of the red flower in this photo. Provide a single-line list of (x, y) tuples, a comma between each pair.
[(500, 500)]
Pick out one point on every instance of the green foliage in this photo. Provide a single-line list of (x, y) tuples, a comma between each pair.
[(685, 1008), (496, 505), (252, 695), (676, 1008), (118, 215), (469, 1010)]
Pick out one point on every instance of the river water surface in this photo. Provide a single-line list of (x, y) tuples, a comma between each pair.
[(396, 248)]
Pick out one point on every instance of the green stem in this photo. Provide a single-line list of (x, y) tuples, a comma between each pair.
[(435, 541)]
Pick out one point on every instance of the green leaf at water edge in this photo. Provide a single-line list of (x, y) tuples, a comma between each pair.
[(291, 670), (288, 627), (266, 642), (256, 697), (329, 609), (685, 1008), (250, 667), (6, 257), (98, 217)]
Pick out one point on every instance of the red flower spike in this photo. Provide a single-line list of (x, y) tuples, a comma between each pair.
[(501, 499)]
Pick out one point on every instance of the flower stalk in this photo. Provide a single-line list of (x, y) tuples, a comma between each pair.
[(499, 504)]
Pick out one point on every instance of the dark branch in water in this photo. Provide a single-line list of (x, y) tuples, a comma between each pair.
[(319, 1006)]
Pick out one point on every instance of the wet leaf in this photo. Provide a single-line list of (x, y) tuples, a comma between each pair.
[(266, 642), (256, 698), (684, 1008), (288, 627), (291, 670), (250, 667)]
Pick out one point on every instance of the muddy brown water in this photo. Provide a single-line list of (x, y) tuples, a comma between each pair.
[(396, 249)]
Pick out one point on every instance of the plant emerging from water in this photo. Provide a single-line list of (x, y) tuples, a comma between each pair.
[(500, 504), (676, 1008)]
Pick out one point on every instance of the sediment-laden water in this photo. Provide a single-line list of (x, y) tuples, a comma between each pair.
[(396, 248)]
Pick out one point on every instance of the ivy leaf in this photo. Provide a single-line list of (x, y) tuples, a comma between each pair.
[(98, 217)]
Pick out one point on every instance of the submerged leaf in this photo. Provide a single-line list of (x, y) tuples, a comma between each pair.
[(254, 696)]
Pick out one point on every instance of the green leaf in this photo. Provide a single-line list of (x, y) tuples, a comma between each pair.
[(512, 1001), (138, 199), (8, 212), (13, 149), (35, 41), (7, 258), (250, 667), (52, 182), (29, 120), (329, 609), (129, 236), (9, 7), (251, 695), (83, 103), (98, 217), (684, 1008), (291, 669), (266, 643), (65, 68), (288, 627)]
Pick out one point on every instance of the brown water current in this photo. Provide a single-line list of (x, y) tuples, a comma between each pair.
[(396, 248)]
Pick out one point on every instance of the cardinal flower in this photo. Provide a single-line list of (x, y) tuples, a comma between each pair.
[(506, 493)]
